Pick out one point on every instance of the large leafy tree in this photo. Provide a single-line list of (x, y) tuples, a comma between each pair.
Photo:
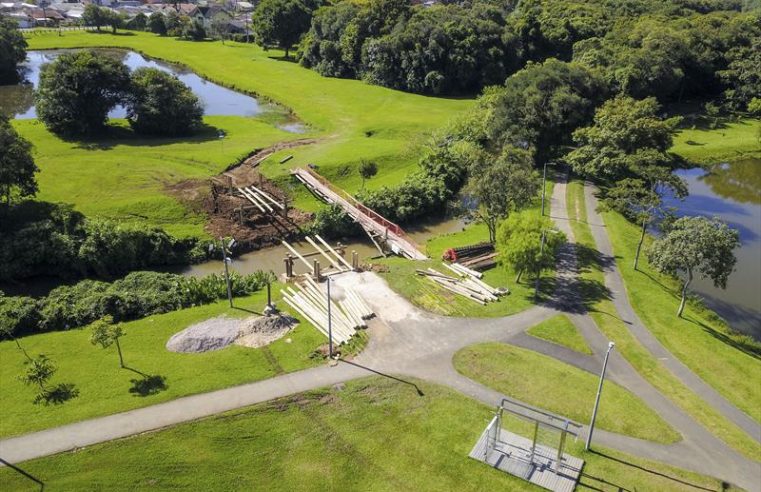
[(696, 245), (160, 104), (12, 50), (95, 16), (281, 23), (541, 105), (502, 185), (743, 74), (519, 243), (77, 91), (17, 166), (156, 24)]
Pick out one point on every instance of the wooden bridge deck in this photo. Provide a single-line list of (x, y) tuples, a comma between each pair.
[(375, 224)]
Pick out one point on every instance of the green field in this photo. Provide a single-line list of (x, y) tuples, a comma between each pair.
[(332, 440), (735, 140), (105, 388), (604, 313), (561, 331), (353, 120), (558, 387)]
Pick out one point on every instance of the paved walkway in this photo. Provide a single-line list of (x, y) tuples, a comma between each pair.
[(410, 342)]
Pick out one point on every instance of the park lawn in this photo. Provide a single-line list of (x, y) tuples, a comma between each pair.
[(331, 439), (352, 119), (429, 296), (607, 319), (124, 176), (561, 331), (561, 388), (104, 388), (731, 141)]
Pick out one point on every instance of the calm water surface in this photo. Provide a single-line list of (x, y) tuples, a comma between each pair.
[(18, 100), (732, 192)]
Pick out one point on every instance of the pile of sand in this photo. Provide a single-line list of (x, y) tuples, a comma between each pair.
[(217, 333), (260, 331)]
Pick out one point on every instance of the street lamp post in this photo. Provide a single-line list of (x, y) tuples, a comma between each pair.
[(599, 392), (226, 260), (544, 186), (330, 325), (538, 267)]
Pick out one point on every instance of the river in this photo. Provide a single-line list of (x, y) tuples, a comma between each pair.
[(17, 101), (731, 192)]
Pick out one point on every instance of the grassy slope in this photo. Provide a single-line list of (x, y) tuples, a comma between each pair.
[(606, 317), (340, 111), (429, 296), (731, 141), (560, 330), (556, 386), (104, 388), (331, 440), (124, 176)]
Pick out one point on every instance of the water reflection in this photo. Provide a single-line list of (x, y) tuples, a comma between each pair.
[(739, 181), (17, 100)]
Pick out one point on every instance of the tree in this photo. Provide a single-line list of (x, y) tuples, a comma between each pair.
[(17, 166), (367, 169), (500, 186), (220, 25), (173, 23), (12, 50), (95, 16), (77, 91), (743, 75), (105, 334), (160, 104), (696, 245), (113, 19), (280, 23), (156, 24), (38, 372), (519, 244), (194, 30), (139, 22)]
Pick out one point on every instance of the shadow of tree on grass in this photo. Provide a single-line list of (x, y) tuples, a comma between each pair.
[(148, 385)]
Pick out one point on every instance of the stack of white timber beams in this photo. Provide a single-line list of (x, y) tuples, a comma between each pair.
[(260, 198), (336, 260), (346, 315), (466, 284)]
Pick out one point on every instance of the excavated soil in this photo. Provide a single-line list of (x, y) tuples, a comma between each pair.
[(217, 333)]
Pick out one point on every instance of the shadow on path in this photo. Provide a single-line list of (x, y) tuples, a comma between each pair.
[(417, 388)]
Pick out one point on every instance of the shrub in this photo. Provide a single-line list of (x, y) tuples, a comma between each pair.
[(332, 222)]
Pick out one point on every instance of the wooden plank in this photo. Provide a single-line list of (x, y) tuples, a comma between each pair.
[(268, 197), (340, 258), (311, 267), (331, 260), (250, 199)]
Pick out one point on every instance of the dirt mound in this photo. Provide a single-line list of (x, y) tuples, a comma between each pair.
[(261, 331), (212, 334)]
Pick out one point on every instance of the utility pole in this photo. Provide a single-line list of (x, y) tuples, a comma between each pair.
[(544, 186), (330, 324), (225, 260), (599, 392)]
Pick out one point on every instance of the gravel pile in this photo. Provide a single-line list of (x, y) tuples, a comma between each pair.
[(217, 333), (260, 331)]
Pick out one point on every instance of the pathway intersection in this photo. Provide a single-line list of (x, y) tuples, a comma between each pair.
[(407, 342)]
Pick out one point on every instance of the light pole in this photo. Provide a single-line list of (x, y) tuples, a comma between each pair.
[(226, 260), (599, 392), (538, 266), (544, 186), (221, 136), (330, 324)]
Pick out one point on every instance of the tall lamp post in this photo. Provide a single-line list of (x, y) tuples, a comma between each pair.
[(330, 324), (544, 186), (538, 267), (226, 260), (599, 392)]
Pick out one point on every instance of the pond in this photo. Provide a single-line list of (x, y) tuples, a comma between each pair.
[(732, 192), (17, 101)]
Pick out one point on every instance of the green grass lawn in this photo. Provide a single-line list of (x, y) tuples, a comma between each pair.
[(561, 331), (124, 176), (104, 387), (430, 296), (604, 313), (732, 140), (331, 440), (559, 387), (353, 120)]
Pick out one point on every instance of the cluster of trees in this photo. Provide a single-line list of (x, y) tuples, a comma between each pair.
[(78, 89), (97, 16), (12, 50), (41, 238), (135, 296)]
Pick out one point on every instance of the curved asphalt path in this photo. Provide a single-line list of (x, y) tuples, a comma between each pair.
[(422, 345)]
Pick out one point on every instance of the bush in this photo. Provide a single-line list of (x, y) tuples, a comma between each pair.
[(160, 104), (137, 295), (332, 222)]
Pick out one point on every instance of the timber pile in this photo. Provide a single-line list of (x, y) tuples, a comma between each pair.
[(347, 315), (479, 256), (465, 284), (260, 198), (335, 259)]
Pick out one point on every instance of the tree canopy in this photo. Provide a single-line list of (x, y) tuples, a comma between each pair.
[(519, 244), (77, 91), (17, 167), (12, 50), (696, 245), (156, 24), (160, 104), (281, 23)]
